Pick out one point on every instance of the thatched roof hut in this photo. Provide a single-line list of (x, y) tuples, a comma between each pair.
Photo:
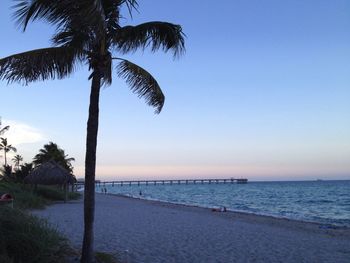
[(50, 173)]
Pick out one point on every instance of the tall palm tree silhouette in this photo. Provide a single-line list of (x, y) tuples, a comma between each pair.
[(17, 159), (6, 148), (89, 31)]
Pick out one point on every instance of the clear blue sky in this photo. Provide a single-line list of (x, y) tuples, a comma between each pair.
[(262, 92)]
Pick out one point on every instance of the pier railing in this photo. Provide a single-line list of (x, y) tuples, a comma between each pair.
[(168, 182)]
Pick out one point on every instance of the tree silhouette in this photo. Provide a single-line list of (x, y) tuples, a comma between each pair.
[(89, 31), (51, 151), (23, 172), (17, 159), (6, 148)]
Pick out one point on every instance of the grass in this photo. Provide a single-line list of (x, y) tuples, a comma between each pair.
[(27, 198), (55, 194), (24, 197), (26, 238)]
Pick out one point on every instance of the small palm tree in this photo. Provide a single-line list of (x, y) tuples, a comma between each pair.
[(17, 159), (6, 148), (89, 31), (23, 171), (51, 151)]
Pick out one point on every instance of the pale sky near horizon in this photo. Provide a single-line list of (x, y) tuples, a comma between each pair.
[(262, 92)]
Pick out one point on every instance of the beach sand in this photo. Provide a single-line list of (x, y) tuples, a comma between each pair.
[(151, 232)]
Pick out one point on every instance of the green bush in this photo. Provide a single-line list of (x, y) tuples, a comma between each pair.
[(27, 198), (50, 193), (26, 238), (54, 193), (74, 195)]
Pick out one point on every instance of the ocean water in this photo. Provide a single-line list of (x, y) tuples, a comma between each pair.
[(326, 202)]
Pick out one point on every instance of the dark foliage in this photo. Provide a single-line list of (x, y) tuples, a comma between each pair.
[(89, 31), (52, 151), (25, 238), (6, 173), (23, 171)]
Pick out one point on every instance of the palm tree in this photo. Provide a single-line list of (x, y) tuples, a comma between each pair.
[(2, 131), (6, 147), (23, 171), (51, 151), (89, 31), (17, 159)]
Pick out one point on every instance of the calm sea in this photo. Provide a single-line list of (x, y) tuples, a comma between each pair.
[(326, 202)]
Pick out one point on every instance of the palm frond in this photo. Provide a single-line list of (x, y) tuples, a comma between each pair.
[(31, 10), (2, 130), (10, 148), (57, 12), (157, 35), (69, 159), (142, 83), (39, 64), (131, 5), (7, 147), (77, 38)]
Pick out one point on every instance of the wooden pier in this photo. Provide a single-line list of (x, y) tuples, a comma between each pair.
[(168, 182)]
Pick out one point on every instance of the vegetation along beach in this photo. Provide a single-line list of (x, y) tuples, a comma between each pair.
[(149, 131)]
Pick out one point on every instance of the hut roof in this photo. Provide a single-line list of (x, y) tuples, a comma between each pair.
[(49, 173)]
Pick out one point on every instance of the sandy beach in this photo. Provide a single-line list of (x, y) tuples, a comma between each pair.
[(148, 231)]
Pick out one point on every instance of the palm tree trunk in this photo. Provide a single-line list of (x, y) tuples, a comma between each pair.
[(90, 166), (5, 156)]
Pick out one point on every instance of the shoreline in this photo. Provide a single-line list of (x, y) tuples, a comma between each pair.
[(243, 214), (312, 202), (246, 216), (139, 230)]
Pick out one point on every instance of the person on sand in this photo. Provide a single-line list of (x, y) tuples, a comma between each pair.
[(221, 209)]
